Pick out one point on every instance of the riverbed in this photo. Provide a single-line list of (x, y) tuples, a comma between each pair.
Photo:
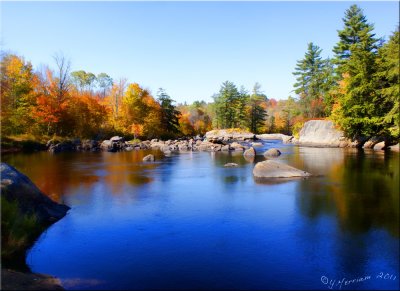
[(188, 222)]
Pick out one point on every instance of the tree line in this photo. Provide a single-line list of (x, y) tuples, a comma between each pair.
[(358, 89)]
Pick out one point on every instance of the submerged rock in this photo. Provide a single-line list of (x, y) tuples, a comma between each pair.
[(273, 169), (272, 153)]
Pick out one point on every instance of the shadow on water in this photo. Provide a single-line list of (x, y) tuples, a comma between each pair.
[(361, 189)]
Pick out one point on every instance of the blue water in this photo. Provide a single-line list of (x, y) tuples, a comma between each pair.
[(187, 222)]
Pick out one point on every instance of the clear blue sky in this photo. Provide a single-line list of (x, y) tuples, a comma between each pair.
[(188, 48)]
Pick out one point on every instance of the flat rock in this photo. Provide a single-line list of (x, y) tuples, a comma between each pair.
[(231, 165), (273, 169), (275, 136)]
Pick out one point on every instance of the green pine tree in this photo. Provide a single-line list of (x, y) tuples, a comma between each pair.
[(257, 114), (387, 78), (226, 105), (312, 82), (169, 114), (358, 111)]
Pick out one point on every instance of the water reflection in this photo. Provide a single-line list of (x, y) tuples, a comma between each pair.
[(57, 175), (187, 221), (360, 188)]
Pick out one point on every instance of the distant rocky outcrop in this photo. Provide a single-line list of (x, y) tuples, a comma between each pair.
[(272, 169), (321, 133)]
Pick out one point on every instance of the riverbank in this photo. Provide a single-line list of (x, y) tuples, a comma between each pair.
[(13, 280), (26, 214), (314, 133)]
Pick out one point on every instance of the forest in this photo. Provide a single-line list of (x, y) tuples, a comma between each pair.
[(358, 88)]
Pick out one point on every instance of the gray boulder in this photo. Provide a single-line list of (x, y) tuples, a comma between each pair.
[(149, 158), (272, 153), (322, 133), (17, 187), (273, 169)]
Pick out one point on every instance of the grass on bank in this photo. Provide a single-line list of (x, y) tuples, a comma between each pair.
[(18, 231)]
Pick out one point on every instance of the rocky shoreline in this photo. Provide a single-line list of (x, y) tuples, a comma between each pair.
[(315, 133)]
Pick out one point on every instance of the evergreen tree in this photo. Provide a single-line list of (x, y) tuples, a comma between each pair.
[(226, 105), (240, 109), (358, 110), (256, 113), (357, 32), (311, 75), (169, 114), (387, 78)]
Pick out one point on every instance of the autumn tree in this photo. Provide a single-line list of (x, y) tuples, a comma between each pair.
[(18, 95)]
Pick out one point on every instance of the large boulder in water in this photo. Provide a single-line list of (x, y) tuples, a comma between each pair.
[(273, 169), (16, 187)]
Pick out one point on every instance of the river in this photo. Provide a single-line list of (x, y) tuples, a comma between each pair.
[(187, 222)]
